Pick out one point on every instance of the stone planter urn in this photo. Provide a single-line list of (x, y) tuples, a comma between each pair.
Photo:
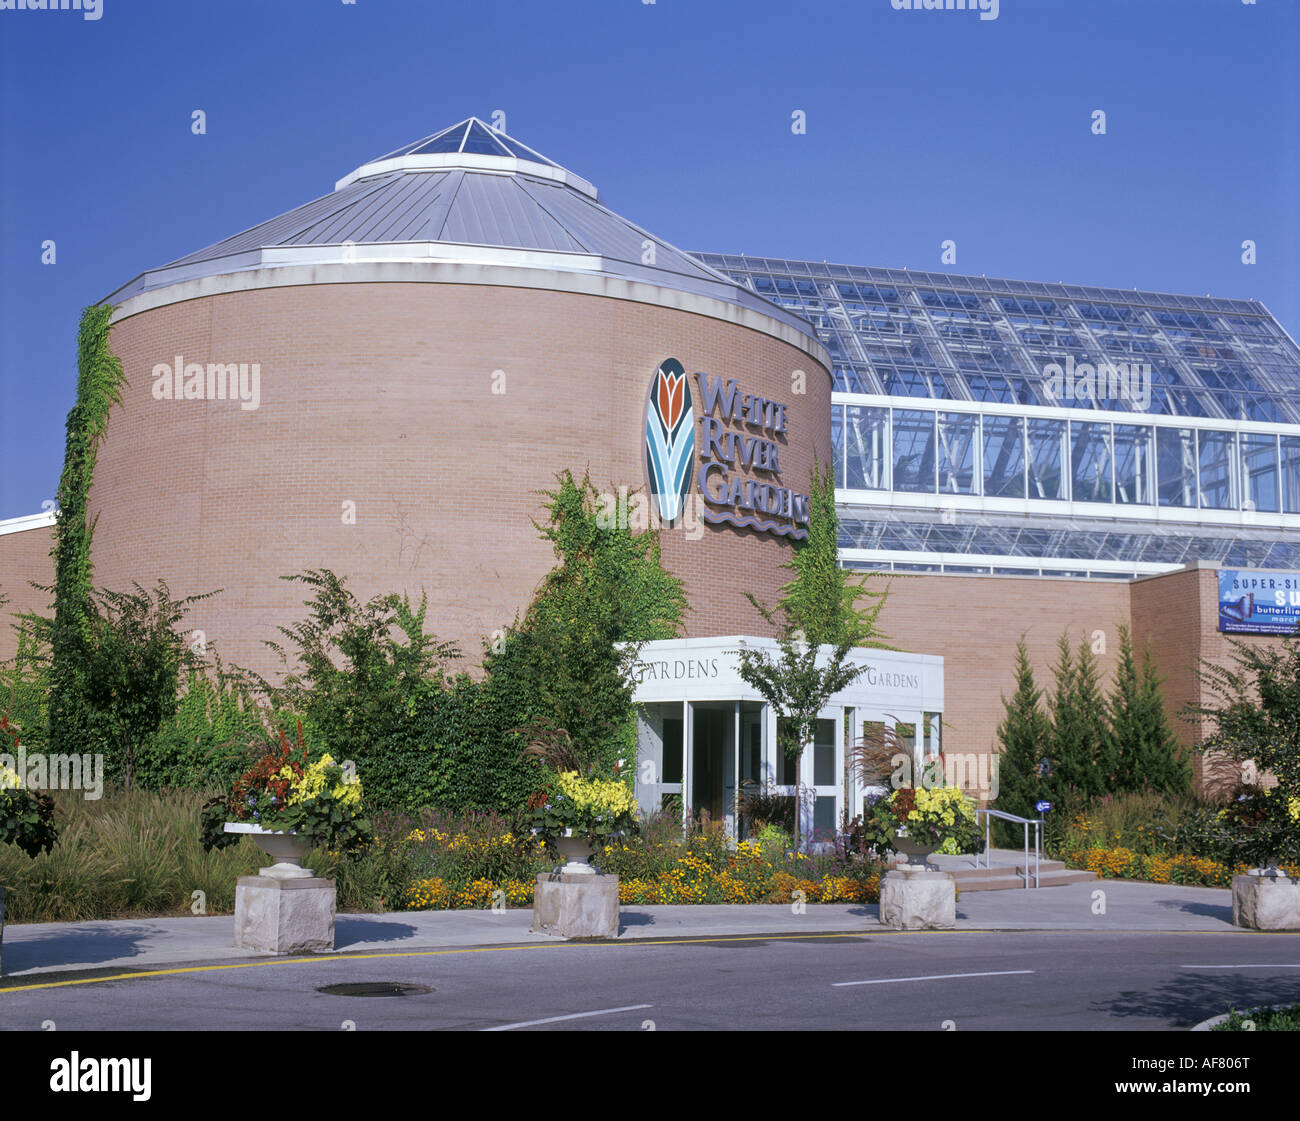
[(575, 900), (285, 908), (917, 852), (1266, 899), (285, 849), (914, 896), (576, 850)]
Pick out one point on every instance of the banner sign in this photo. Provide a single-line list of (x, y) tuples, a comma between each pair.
[(1253, 602)]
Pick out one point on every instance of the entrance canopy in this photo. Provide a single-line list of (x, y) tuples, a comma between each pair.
[(707, 741)]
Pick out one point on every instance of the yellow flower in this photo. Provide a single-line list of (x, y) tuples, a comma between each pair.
[(346, 789)]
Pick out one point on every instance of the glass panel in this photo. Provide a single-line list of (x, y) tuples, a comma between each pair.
[(933, 724), (1090, 462), (482, 142), (1004, 457), (672, 749), (824, 753), (784, 764), (867, 443), (1259, 470), (1047, 479), (907, 739), (824, 818), (1133, 462), (957, 436), (873, 732), (837, 442), (1176, 466), (1218, 462), (1291, 474), (914, 460)]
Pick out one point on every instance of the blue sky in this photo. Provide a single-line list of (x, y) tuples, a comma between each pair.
[(922, 126)]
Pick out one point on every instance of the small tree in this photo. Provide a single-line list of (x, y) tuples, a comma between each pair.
[(1146, 751), (1256, 719), (819, 608), (1081, 754), (1025, 734), (25, 680), (569, 660), (362, 677), (132, 669)]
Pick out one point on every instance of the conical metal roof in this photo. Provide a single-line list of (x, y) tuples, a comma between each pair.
[(468, 193)]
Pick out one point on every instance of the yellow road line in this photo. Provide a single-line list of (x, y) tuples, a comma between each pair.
[(326, 958)]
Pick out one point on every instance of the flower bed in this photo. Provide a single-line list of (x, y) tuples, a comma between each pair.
[(1159, 868), (659, 869)]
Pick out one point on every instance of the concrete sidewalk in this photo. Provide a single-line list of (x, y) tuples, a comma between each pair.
[(141, 944)]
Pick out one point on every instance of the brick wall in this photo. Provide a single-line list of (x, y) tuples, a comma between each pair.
[(1179, 614), (382, 395), (974, 622), (24, 557)]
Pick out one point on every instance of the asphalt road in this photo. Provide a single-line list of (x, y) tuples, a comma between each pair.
[(1036, 980)]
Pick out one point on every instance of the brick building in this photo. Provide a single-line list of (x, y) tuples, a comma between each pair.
[(382, 380)]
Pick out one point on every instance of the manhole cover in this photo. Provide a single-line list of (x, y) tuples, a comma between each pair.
[(375, 988)]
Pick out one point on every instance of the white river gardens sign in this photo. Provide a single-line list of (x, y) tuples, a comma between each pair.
[(733, 457)]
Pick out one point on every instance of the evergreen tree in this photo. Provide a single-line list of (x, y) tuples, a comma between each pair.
[(1024, 734), (1097, 758), (1164, 758), (1126, 718), (1147, 754), (1081, 759)]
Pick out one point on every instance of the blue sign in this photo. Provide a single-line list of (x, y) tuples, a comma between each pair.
[(1042, 807), (1252, 602)]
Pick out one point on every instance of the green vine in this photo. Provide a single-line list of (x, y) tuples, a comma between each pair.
[(99, 387)]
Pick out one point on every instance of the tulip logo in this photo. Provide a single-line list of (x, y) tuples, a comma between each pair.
[(669, 438)]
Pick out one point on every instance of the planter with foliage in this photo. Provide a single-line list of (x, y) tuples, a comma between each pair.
[(284, 796), (575, 813), (918, 821)]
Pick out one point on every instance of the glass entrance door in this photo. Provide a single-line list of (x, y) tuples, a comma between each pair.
[(713, 767)]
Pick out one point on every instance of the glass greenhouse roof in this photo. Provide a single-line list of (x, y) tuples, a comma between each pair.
[(472, 136), (989, 536), (893, 332), (980, 387)]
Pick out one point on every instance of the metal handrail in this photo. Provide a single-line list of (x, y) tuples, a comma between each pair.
[(1026, 822)]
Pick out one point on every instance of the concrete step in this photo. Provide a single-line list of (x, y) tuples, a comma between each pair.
[(997, 870), (1008, 879)]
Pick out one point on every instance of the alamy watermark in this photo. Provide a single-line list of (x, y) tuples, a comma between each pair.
[(973, 773), (636, 513), (217, 381), (1100, 381), (988, 9), (38, 770), (89, 9)]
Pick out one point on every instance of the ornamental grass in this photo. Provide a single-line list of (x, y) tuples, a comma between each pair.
[(125, 855)]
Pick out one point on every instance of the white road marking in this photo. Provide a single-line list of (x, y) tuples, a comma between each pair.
[(571, 1016), (934, 977), (1247, 965)]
